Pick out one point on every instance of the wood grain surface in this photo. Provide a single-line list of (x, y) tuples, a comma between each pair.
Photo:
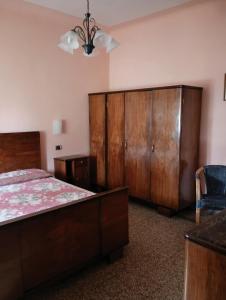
[(116, 138), (97, 119), (137, 135), (19, 150), (165, 162), (205, 273)]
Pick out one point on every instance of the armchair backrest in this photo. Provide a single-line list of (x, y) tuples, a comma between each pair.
[(215, 176)]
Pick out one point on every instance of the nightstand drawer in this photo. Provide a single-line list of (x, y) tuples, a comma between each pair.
[(73, 169), (81, 162), (62, 170), (80, 173)]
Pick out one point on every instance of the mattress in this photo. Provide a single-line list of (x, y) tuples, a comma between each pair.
[(28, 192)]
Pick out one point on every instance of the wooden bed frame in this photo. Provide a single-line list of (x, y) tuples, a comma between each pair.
[(49, 245)]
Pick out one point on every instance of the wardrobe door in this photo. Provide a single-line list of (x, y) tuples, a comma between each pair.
[(166, 120), (137, 152), (189, 144), (97, 121), (116, 137)]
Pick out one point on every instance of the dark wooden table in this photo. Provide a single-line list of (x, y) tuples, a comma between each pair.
[(205, 261), (74, 169)]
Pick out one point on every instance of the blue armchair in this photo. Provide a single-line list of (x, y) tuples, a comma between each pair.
[(210, 189)]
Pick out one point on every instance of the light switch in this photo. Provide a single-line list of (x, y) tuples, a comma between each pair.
[(59, 147)]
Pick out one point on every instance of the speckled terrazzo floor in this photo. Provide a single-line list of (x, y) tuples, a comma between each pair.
[(152, 266)]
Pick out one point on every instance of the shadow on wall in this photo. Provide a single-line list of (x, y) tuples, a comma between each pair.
[(64, 126), (206, 119)]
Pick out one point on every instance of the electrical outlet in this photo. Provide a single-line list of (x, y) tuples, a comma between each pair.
[(59, 147)]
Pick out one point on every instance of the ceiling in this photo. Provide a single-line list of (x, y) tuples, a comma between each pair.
[(110, 12)]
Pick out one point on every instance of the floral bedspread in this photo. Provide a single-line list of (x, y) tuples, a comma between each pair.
[(31, 196)]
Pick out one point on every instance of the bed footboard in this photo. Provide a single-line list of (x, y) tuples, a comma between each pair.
[(50, 245), (114, 221)]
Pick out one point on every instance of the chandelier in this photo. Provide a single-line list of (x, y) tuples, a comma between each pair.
[(89, 37)]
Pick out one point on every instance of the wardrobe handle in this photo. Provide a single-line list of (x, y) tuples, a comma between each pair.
[(126, 144), (153, 148)]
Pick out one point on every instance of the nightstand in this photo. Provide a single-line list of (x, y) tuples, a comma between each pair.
[(74, 169)]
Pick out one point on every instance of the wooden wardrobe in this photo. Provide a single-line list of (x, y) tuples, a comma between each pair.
[(148, 140)]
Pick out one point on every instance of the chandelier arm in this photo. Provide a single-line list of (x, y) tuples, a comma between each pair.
[(92, 22), (79, 30), (85, 23), (89, 22), (93, 32)]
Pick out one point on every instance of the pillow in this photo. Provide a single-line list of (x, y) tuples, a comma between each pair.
[(20, 176)]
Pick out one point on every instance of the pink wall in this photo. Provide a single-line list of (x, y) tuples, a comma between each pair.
[(182, 45), (40, 83)]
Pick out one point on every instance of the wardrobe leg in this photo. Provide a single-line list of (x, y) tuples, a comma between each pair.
[(115, 255), (166, 211)]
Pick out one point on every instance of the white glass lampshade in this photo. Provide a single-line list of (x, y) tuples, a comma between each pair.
[(112, 45), (104, 40), (69, 42), (100, 39), (57, 127)]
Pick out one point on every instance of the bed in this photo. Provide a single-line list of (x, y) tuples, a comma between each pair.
[(48, 228)]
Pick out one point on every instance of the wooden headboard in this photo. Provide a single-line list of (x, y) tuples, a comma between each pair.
[(19, 150)]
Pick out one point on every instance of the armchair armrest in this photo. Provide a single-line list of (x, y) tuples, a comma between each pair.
[(198, 175)]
